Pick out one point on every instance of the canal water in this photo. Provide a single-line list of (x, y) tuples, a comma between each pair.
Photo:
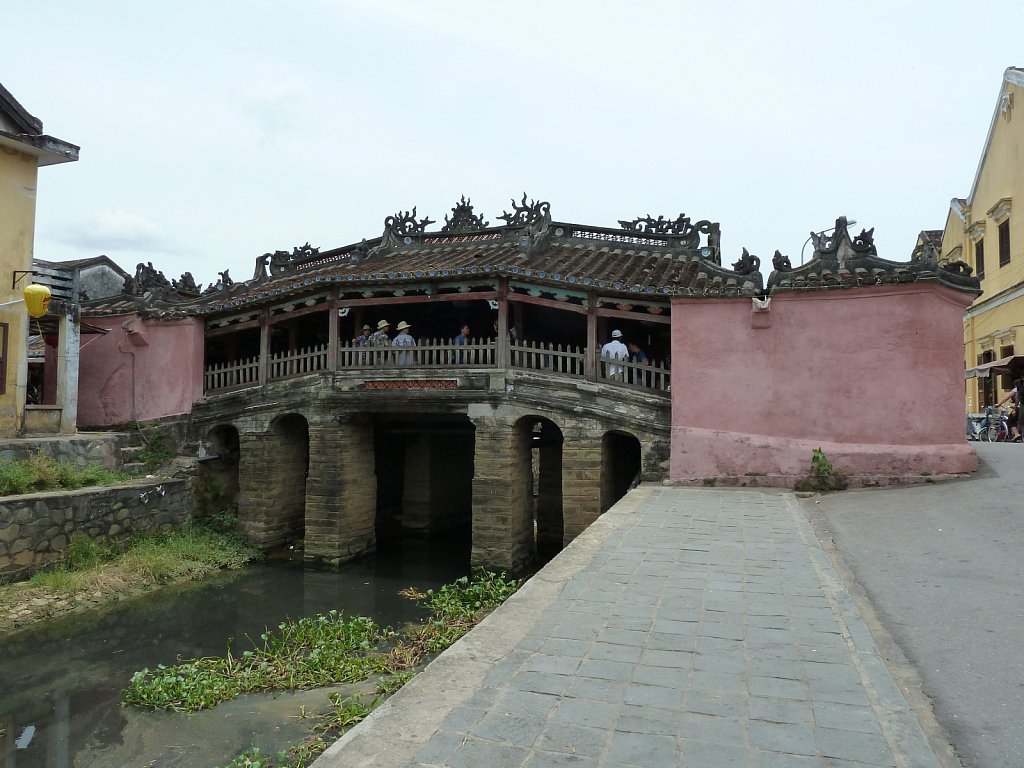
[(60, 685)]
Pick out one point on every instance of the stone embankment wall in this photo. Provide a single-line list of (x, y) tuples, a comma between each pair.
[(80, 450), (35, 529)]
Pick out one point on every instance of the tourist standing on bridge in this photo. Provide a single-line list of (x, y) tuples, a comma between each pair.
[(462, 340), (403, 339), (614, 350), (636, 354), (380, 338), (363, 339)]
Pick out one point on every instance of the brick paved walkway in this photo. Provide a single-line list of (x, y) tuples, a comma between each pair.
[(687, 627)]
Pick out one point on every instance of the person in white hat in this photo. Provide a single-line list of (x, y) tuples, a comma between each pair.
[(380, 336), (614, 350), (403, 339)]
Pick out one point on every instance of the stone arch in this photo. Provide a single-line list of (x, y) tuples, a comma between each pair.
[(217, 481), (289, 435), (621, 465), (538, 467)]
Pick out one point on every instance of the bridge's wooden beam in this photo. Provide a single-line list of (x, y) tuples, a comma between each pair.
[(226, 329), (432, 298), (664, 320)]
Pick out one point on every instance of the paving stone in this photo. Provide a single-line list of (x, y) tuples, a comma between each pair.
[(704, 754), (653, 696), (574, 739), (541, 759), (527, 703), (476, 753), (595, 714), (845, 717), (647, 719), (610, 691), (666, 676), (722, 705), (714, 728), (560, 665), (508, 727), (605, 670), (776, 710), (615, 652), (644, 750), (781, 737), (850, 745)]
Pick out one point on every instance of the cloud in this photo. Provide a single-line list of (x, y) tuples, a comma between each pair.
[(116, 230)]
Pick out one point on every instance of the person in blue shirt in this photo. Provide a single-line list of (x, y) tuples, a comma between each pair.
[(462, 340), (403, 339), (636, 354)]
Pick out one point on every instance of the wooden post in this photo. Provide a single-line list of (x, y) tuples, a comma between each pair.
[(590, 354), (503, 358), (264, 346), (332, 331)]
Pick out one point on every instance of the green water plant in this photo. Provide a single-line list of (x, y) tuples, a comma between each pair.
[(325, 728), (322, 650)]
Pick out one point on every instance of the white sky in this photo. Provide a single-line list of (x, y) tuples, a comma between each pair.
[(215, 131)]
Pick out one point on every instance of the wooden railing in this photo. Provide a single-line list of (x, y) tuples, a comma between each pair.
[(428, 353), (241, 373), (438, 354), (548, 357), (297, 362), (640, 375)]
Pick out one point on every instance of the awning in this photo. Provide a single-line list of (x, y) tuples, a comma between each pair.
[(1011, 364)]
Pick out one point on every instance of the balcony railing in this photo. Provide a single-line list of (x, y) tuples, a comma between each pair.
[(438, 355)]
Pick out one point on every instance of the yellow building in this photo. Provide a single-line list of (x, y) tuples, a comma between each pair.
[(982, 231), (24, 148)]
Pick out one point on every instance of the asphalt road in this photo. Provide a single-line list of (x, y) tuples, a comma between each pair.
[(942, 568)]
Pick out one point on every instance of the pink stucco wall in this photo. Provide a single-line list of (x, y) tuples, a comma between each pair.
[(163, 360), (872, 376)]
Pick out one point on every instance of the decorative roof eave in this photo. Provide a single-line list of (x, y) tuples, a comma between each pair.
[(842, 261)]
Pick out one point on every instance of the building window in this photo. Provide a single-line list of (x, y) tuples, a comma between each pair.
[(979, 259), (1004, 243), (1006, 379)]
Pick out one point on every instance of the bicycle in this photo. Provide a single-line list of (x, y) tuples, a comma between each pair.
[(997, 429)]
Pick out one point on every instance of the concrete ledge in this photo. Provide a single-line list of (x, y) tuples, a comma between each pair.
[(790, 481)]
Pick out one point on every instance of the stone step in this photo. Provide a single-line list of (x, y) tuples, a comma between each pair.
[(130, 452), (134, 468)]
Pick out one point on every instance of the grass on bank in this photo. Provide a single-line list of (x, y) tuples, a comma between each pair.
[(143, 562), (323, 650), (40, 472)]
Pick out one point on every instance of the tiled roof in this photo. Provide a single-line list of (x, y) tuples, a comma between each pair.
[(615, 263)]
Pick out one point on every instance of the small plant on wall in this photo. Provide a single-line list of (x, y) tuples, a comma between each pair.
[(822, 476)]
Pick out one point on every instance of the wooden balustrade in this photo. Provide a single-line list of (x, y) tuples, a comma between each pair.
[(437, 354), (297, 362), (225, 376)]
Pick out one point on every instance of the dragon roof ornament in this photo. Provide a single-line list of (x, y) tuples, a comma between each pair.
[(680, 227), (463, 219)]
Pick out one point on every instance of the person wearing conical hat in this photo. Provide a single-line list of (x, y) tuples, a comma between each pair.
[(403, 339)]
